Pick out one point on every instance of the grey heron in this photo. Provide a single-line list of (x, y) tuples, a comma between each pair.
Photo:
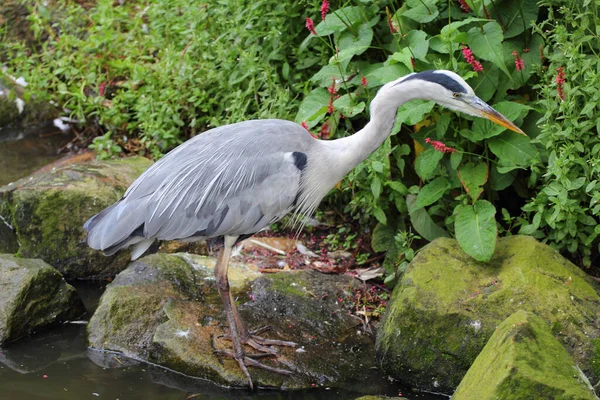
[(234, 180)]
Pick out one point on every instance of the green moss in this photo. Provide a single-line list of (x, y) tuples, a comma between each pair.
[(523, 360), (596, 358), (49, 209), (446, 307)]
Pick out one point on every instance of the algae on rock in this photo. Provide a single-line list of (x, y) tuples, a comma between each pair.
[(165, 309), (523, 361), (447, 305), (33, 296), (47, 211)]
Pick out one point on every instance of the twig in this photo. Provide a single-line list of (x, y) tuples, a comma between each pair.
[(266, 246)]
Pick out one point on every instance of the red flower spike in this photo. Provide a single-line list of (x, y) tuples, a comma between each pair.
[(102, 88), (560, 80), (324, 9), (389, 21), (363, 81), (468, 54), (464, 6), (304, 125), (519, 63), (325, 131), (439, 146), (310, 26)]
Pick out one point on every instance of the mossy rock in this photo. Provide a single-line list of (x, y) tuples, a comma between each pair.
[(165, 309), (447, 306), (33, 296), (47, 211), (522, 361)]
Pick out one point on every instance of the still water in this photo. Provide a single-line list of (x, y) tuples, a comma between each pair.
[(23, 153)]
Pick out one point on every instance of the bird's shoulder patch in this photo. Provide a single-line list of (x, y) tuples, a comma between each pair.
[(299, 160)]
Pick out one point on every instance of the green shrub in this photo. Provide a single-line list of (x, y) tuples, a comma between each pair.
[(149, 74), (565, 208), (371, 43)]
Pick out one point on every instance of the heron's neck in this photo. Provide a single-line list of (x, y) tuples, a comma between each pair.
[(352, 150)]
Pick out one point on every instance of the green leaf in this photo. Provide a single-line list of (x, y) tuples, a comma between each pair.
[(413, 112), (326, 74), (422, 222), (353, 43), (339, 20), (431, 192), (473, 177), (380, 215), (500, 181), (418, 43), (427, 162), (517, 16), (512, 148), (376, 187), (424, 11), (313, 107), (347, 106), (476, 229), (383, 238), (385, 74), (487, 44)]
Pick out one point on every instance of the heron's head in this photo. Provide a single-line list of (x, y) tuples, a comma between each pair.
[(451, 91)]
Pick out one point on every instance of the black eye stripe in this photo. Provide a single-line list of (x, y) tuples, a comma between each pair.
[(439, 78)]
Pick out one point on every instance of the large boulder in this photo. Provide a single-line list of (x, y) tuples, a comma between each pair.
[(447, 306), (33, 296), (522, 361), (165, 309), (46, 212)]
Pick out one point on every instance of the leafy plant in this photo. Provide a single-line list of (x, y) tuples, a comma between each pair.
[(145, 75), (565, 210), (459, 166)]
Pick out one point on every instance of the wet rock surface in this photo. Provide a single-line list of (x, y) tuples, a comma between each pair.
[(47, 210), (165, 309), (523, 360), (447, 306), (33, 296)]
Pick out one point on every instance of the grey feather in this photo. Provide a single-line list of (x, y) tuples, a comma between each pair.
[(232, 180)]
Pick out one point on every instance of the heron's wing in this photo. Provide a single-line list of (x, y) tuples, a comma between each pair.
[(226, 197), (228, 181)]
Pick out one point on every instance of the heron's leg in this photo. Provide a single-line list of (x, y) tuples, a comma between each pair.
[(233, 316)]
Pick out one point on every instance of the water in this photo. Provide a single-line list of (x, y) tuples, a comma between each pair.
[(56, 365), (21, 153)]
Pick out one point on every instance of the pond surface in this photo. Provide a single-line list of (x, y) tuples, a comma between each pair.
[(23, 153), (56, 365)]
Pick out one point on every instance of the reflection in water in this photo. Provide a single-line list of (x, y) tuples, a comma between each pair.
[(22, 154), (56, 365)]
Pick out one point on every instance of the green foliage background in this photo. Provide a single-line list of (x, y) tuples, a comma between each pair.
[(146, 75)]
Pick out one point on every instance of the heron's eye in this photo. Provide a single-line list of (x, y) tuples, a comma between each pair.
[(457, 95)]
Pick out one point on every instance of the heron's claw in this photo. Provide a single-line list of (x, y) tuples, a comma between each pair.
[(259, 343)]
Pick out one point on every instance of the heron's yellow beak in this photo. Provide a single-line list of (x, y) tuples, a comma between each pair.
[(488, 112)]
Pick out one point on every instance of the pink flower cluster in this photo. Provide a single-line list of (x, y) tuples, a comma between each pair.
[(468, 54), (439, 146), (519, 63), (324, 9), (310, 25)]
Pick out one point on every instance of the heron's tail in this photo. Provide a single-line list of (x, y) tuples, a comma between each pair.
[(118, 227)]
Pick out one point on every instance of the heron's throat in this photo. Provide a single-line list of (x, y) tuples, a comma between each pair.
[(384, 108)]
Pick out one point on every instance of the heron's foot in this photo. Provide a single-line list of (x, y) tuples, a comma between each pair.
[(249, 360), (260, 343)]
